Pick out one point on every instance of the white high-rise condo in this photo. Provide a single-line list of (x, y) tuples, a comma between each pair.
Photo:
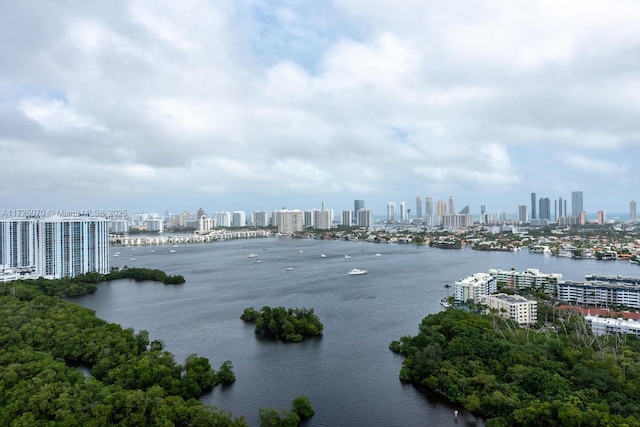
[(53, 247)]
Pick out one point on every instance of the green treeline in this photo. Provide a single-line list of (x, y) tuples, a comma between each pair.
[(293, 324), (559, 376), (44, 341), (86, 283)]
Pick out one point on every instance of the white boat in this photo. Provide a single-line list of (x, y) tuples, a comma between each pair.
[(347, 257), (258, 260), (323, 256), (356, 271), (171, 251), (252, 255), (378, 254), (288, 268), (133, 259), (300, 251), (151, 251)]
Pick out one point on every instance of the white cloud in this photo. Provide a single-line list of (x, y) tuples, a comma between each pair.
[(342, 99)]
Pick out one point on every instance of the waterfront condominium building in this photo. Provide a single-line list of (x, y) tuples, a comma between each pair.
[(322, 219), (53, 247), (289, 221), (345, 219), (632, 211), (474, 287), (260, 219), (223, 219), (403, 212), (514, 307), (529, 279), (365, 218), (239, 219), (601, 292)]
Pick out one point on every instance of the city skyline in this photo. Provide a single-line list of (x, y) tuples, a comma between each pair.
[(254, 106)]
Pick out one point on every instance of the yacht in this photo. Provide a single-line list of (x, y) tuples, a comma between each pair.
[(347, 257), (252, 255), (323, 256), (356, 272)]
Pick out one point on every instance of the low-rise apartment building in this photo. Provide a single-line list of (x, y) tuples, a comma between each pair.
[(515, 307)]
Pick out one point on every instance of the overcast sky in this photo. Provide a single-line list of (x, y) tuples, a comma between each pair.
[(257, 105)]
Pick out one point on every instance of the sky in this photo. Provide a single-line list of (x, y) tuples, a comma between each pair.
[(257, 105)]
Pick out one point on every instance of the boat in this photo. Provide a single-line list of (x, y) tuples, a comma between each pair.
[(300, 251), (171, 251), (347, 257), (252, 255), (378, 254), (323, 256), (356, 272), (288, 268), (258, 260), (151, 251), (133, 259), (444, 303)]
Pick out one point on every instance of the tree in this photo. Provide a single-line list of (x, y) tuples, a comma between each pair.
[(302, 406)]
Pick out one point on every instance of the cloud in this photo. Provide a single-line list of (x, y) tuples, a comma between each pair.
[(332, 100)]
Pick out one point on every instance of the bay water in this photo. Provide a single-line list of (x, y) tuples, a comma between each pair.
[(349, 374)]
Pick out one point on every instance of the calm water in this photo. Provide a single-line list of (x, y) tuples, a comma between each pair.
[(349, 374)]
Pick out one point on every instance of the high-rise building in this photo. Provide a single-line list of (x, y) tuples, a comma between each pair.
[(576, 203), (322, 219), (452, 205), (632, 210), (357, 205), (365, 218), (223, 219), (522, 214), (260, 219), (53, 247), (534, 202), (545, 208), (345, 219), (289, 221), (238, 219), (419, 207), (602, 217), (403, 212), (391, 212), (441, 208), (428, 206), (483, 209)]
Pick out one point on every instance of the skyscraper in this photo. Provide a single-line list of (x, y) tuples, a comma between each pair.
[(452, 205), (428, 206), (419, 207), (632, 210), (522, 214), (545, 208), (403, 213), (391, 212), (576, 203), (533, 206), (54, 247), (357, 205)]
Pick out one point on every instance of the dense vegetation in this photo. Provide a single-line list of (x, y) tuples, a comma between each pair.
[(293, 324), (301, 409), (134, 382), (86, 283), (558, 376)]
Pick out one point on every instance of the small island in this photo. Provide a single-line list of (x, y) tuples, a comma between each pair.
[(293, 324)]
